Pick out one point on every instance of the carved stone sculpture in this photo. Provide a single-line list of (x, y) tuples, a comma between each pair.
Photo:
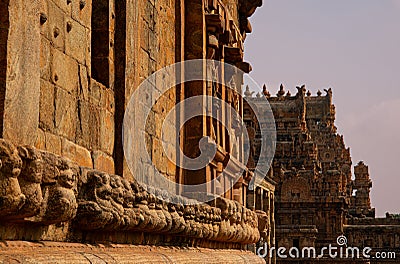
[(131, 214), (30, 181), (109, 202), (11, 197), (95, 210), (61, 202), (263, 224)]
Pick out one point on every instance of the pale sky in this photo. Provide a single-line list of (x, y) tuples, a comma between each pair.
[(352, 46)]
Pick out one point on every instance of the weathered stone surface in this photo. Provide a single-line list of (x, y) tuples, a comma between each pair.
[(77, 43), (53, 143), (46, 106), (65, 6), (88, 128), (76, 153), (64, 71), (45, 59), (82, 11), (30, 180), (65, 116), (107, 131), (51, 162), (84, 83), (83, 157), (95, 93), (263, 224), (158, 156), (107, 100), (60, 200), (54, 28), (103, 162), (40, 140), (55, 252), (11, 196), (23, 74)]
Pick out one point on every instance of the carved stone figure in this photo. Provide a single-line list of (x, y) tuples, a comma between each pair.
[(191, 228), (95, 209), (117, 201), (131, 216), (30, 180), (109, 202), (216, 221), (156, 216), (239, 232), (11, 197), (162, 204), (142, 198), (61, 202), (178, 222), (223, 233), (263, 224)]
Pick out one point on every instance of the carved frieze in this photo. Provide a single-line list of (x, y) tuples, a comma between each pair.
[(42, 188)]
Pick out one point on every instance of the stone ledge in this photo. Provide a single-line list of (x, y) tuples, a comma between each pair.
[(56, 252)]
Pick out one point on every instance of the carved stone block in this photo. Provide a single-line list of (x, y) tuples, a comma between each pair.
[(11, 197)]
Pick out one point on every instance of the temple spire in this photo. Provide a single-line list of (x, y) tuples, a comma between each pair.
[(281, 91), (247, 93), (266, 92)]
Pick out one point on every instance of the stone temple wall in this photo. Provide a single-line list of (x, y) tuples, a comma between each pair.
[(87, 58), (75, 111), (81, 55), (69, 68), (67, 71), (155, 45)]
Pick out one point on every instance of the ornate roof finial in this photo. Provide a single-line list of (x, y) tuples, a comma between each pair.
[(301, 91), (288, 94), (308, 93), (319, 93), (281, 91), (328, 92), (303, 88), (247, 93), (266, 92)]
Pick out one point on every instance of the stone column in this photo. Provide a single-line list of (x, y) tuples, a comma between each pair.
[(250, 200), (272, 224), (259, 197), (4, 29), (20, 94)]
